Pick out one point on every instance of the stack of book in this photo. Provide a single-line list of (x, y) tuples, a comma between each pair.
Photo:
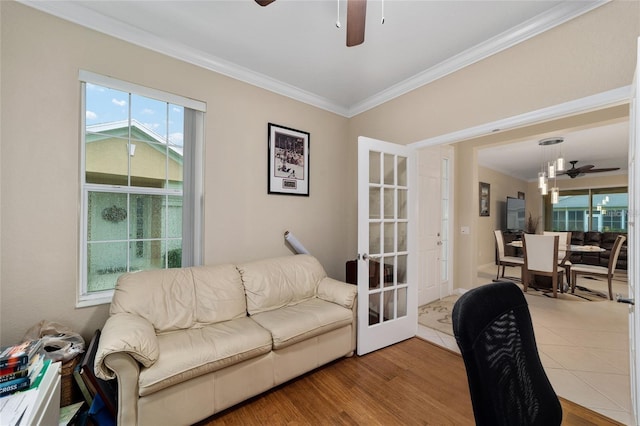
[(20, 365)]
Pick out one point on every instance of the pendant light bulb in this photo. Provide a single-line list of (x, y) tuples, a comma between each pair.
[(541, 179), (552, 170), (560, 164), (555, 195), (544, 190)]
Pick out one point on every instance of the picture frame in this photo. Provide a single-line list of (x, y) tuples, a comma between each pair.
[(521, 195), (288, 160), (484, 199)]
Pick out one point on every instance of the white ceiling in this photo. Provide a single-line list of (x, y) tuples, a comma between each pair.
[(602, 146), (294, 48)]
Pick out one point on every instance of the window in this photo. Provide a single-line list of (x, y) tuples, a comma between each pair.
[(141, 183), (601, 210)]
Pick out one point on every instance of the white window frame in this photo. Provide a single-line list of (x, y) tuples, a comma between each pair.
[(193, 170)]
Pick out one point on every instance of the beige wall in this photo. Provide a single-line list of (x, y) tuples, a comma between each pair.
[(502, 186), (40, 57)]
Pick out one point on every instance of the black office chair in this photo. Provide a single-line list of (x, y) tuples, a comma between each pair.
[(507, 382)]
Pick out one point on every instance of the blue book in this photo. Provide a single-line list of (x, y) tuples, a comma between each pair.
[(13, 386)]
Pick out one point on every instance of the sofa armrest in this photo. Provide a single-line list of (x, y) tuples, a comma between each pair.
[(337, 292), (126, 371), (130, 334)]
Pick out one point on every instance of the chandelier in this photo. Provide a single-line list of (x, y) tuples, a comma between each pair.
[(552, 163)]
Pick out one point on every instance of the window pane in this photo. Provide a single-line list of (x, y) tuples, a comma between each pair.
[(572, 212), (174, 217), (106, 262), (105, 105), (147, 218), (107, 216), (149, 165), (176, 127), (610, 212), (148, 119), (106, 159), (149, 254), (602, 210)]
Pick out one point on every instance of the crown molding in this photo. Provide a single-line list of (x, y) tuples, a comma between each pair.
[(528, 29), (76, 13)]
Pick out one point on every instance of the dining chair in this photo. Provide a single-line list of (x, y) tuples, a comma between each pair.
[(504, 260), (563, 251), (541, 258), (593, 270)]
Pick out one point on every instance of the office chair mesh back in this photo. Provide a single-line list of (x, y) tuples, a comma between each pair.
[(507, 382)]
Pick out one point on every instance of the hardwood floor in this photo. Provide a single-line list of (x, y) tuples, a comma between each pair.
[(410, 383)]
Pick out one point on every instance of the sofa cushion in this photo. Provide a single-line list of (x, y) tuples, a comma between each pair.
[(191, 353), (164, 297), (312, 317), (273, 283), (219, 294)]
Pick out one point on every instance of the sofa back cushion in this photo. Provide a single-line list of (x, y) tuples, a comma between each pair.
[(273, 283), (164, 297), (181, 298), (219, 294)]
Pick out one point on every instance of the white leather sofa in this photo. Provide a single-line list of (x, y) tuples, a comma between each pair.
[(187, 343)]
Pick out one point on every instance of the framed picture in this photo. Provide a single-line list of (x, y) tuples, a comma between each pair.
[(288, 161), (521, 195), (485, 196)]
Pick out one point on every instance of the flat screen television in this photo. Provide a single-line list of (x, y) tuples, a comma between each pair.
[(515, 214)]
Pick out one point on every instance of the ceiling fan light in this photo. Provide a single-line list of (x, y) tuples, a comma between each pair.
[(541, 179), (551, 167)]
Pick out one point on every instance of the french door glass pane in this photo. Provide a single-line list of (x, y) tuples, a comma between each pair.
[(389, 238), (374, 308), (374, 239), (374, 203), (374, 167), (402, 171), (389, 170)]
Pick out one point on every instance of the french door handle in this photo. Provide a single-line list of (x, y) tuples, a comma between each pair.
[(621, 299)]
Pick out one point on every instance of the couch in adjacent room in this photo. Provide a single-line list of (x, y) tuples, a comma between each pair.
[(604, 240), (187, 343)]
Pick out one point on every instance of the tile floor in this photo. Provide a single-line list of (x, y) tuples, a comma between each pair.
[(584, 346)]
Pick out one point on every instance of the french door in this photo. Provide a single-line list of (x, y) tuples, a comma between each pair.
[(387, 288)]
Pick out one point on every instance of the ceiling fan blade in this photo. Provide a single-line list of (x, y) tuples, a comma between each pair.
[(585, 169), (264, 2), (356, 17), (604, 169)]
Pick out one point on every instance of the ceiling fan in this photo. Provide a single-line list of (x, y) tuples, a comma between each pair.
[(356, 16), (574, 171)]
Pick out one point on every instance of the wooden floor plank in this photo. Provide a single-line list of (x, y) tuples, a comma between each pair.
[(410, 383)]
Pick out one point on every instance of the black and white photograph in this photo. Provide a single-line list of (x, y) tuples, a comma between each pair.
[(288, 161)]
